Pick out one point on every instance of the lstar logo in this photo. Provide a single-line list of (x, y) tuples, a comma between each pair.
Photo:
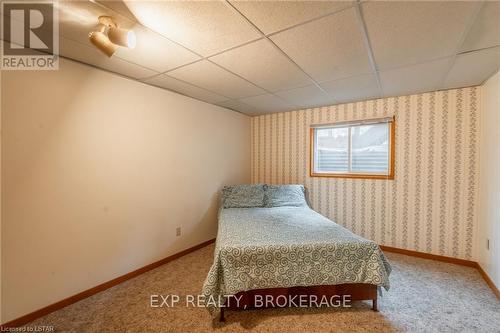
[(30, 35)]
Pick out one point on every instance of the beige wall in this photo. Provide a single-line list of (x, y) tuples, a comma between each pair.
[(98, 171), (429, 207), (1, 306), (489, 228)]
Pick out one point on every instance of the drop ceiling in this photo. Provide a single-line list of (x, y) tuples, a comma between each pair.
[(260, 57)]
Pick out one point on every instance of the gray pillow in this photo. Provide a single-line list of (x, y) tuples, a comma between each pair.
[(243, 196), (285, 195)]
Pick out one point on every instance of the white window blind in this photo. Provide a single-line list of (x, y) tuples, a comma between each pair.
[(361, 147)]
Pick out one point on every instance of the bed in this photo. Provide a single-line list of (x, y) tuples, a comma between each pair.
[(269, 242)]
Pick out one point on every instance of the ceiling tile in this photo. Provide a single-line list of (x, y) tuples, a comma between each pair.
[(240, 107), (424, 77), (309, 96), (267, 103), (263, 64), (92, 56), (118, 6), (205, 27), (355, 88), (409, 32), (206, 75), (473, 68), (164, 81), (407, 38), (329, 48), (156, 52), (153, 51), (485, 31), (271, 16)]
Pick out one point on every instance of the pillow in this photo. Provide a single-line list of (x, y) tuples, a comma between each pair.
[(285, 195), (243, 196)]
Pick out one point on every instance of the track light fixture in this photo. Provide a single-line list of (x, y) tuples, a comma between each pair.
[(102, 42), (109, 36)]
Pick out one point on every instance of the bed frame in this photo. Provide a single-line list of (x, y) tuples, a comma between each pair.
[(356, 291)]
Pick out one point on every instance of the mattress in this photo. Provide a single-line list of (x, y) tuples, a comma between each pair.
[(282, 247)]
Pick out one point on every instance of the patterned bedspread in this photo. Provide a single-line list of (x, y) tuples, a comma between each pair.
[(259, 248)]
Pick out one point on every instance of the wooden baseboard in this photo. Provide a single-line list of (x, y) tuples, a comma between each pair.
[(424, 255), (488, 280), (446, 259), (106, 285), (92, 291)]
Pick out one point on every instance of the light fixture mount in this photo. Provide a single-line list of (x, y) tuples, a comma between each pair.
[(107, 21)]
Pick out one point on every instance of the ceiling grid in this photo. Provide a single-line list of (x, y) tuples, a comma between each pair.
[(284, 55)]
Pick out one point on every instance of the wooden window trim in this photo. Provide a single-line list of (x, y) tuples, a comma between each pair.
[(392, 152)]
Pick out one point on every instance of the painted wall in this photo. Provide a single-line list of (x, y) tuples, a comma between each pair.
[(1, 320), (489, 228), (98, 171), (429, 207)]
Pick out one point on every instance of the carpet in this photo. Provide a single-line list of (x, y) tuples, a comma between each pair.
[(425, 296)]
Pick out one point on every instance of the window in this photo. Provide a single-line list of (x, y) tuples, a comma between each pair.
[(361, 149)]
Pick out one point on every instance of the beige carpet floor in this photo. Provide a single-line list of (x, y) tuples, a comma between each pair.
[(426, 296)]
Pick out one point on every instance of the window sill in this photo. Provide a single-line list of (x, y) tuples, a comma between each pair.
[(352, 175)]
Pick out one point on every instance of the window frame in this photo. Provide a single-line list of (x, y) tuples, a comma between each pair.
[(357, 175)]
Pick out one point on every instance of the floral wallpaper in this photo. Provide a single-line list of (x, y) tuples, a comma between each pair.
[(431, 204)]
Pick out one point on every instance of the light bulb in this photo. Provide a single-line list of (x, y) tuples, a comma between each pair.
[(122, 37)]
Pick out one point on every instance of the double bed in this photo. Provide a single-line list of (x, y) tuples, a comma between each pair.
[(285, 248)]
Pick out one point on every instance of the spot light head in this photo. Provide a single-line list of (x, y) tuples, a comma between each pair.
[(109, 36), (102, 42), (122, 37)]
